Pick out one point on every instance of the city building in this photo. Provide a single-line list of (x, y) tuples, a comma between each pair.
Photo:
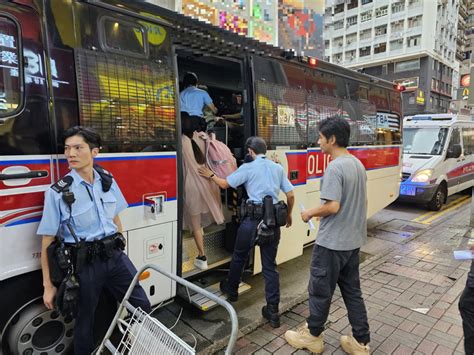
[(290, 24), (465, 44), (411, 42)]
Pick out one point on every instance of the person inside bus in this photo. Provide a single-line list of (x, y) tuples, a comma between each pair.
[(261, 177), (92, 214), (193, 100), (202, 199)]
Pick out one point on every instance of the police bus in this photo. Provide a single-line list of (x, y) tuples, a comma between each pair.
[(116, 66)]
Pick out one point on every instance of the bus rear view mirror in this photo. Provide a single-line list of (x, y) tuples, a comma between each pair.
[(454, 152)]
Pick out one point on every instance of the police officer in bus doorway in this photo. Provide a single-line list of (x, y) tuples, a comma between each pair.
[(89, 220), (261, 177), (342, 231), (193, 100)]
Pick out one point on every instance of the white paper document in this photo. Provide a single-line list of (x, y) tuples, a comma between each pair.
[(310, 222), (463, 255)]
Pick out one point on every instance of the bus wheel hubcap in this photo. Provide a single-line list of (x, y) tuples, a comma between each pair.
[(37, 330)]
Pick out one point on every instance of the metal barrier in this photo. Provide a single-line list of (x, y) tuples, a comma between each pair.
[(143, 334)]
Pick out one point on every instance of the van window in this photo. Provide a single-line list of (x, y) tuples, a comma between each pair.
[(455, 138), (468, 140), (10, 83), (424, 141)]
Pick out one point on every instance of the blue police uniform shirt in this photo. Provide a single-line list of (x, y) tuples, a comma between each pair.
[(192, 100), (261, 177), (92, 212)]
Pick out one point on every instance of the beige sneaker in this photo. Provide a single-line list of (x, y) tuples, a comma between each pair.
[(303, 339), (353, 347)]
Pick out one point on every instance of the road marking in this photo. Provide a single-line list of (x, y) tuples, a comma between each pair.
[(429, 217)]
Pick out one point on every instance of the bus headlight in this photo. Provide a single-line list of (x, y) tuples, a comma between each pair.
[(422, 175)]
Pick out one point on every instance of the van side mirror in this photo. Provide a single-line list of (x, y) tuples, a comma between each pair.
[(454, 152)]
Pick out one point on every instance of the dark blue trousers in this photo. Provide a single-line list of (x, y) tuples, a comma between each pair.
[(243, 245), (466, 308), (328, 269), (115, 275)]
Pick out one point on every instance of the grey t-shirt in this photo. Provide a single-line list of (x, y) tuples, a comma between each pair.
[(345, 181)]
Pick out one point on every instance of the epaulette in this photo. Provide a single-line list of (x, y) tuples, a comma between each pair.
[(106, 177), (63, 184)]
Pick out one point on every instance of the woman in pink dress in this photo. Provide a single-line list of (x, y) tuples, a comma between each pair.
[(202, 199)]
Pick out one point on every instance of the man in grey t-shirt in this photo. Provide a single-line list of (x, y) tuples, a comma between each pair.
[(342, 231)]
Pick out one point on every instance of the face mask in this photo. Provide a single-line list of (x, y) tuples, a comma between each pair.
[(248, 158)]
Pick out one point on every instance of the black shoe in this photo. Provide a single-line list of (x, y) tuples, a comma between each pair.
[(270, 313), (231, 296)]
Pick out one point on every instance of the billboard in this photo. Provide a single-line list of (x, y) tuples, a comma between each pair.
[(300, 26), (256, 18)]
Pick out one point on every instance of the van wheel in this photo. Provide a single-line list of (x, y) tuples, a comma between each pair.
[(438, 199)]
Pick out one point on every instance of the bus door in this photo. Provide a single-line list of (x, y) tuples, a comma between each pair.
[(26, 165)]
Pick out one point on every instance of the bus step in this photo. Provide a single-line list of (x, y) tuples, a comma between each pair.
[(205, 304)]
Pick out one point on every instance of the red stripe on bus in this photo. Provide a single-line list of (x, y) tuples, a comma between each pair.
[(313, 164), (20, 214), (26, 200), (134, 177)]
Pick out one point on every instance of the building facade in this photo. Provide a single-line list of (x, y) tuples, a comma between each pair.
[(412, 42), (465, 42)]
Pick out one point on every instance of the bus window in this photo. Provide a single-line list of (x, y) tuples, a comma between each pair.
[(131, 102), (362, 120), (281, 103), (119, 36), (396, 103), (10, 83), (281, 115), (320, 107), (326, 84), (388, 128), (379, 97)]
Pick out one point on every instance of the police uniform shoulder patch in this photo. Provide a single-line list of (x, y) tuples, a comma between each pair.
[(60, 185), (107, 177)]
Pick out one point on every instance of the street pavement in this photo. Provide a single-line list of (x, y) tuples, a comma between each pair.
[(411, 288), (410, 282)]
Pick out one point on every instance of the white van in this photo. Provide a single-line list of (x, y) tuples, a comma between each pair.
[(438, 158)]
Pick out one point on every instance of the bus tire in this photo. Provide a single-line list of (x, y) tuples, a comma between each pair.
[(439, 198), (27, 326)]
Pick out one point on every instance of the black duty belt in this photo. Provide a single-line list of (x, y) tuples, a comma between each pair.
[(251, 210), (102, 248)]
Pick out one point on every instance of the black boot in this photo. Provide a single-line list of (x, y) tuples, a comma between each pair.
[(270, 312)]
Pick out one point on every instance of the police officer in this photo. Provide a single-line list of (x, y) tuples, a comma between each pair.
[(193, 100), (261, 177), (94, 217)]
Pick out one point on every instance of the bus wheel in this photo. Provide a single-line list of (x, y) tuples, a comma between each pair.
[(36, 330), (438, 198)]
